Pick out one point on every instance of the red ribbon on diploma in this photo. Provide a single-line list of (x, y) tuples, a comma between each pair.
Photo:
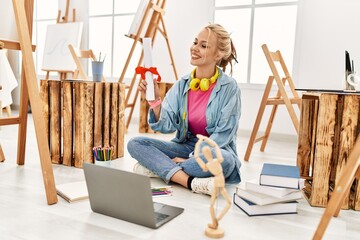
[(143, 70)]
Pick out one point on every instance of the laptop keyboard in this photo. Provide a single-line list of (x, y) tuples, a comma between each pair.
[(160, 216)]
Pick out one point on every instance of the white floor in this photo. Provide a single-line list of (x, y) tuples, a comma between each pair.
[(24, 213)]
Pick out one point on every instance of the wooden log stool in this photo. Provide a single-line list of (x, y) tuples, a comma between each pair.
[(329, 125), (81, 115)]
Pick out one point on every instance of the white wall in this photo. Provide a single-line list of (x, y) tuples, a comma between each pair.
[(183, 20), (326, 28)]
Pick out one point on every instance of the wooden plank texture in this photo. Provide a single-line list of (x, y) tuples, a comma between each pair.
[(329, 126), (106, 114), (121, 123), (98, 117), (324, 146), (114, 118), (89, 122), (55, 121), (44, 96), (92, 114), (347, 137), (67, 123), (79, 124)]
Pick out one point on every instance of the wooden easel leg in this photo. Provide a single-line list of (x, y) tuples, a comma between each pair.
[(132, 105), (350, 171), (258, 118), (2, 156), (33, 91), (121, 79), (270, 122), (268, 128), (333, 207), (288, 105), (168, 45), (132, 109), (23, 111)]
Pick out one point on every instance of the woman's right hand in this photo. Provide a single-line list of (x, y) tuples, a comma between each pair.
[(143, 86)]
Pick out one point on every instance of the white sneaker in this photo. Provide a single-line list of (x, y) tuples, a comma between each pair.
[(203, 185), (140, 169)]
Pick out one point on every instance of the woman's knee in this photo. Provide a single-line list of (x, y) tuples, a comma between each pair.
[(228, 159), (134, 143)]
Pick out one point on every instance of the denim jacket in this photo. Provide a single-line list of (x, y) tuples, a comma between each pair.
[(222, 113)]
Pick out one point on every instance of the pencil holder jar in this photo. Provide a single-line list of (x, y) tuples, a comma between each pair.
[(97, 70)]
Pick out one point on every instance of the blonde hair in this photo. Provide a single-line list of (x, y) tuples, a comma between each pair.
[(225, 46)]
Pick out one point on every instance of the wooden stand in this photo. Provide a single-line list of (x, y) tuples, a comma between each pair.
[(153, 28), (349, 173), (65, 18), (329, 124), (29, 91), (281, 98), (81, 115)]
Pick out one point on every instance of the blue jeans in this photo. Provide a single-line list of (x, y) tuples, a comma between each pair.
[(156, 155)]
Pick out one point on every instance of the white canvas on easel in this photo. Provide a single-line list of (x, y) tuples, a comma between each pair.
[(57, 56), (7, 80), (138, 18), (7, 27)]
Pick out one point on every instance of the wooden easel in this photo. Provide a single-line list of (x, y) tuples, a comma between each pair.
[(64, 19), (350, 172), (281, 98), (154, 26), (23, 11)]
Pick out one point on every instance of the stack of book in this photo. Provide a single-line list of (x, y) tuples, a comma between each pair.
[(275, 191)]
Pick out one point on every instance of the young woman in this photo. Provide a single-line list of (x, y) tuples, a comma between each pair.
[(206, 102)]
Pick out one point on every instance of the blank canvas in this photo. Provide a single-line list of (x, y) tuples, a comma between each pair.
[(135, 25), (57, 56), (8, 29)]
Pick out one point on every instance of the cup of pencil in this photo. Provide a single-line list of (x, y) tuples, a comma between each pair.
[(103, 155), (97, 70)]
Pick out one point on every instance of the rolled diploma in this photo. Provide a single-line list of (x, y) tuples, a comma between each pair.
[(150, 94)]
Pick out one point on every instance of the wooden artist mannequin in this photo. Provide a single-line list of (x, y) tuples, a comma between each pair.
[(214, 166)]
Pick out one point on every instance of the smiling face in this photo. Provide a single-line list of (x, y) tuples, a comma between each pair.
[(204, 51)]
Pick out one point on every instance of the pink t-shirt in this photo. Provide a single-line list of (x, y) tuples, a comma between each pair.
[(197, 104)]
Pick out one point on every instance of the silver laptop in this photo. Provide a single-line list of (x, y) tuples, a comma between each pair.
[(126, 196)]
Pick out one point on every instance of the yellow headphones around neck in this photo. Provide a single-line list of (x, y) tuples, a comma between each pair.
[(204, 83)]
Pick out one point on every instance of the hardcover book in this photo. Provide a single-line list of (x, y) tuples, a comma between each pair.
[(251, 209), (277, 175), (263, 199), (279, 192)]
